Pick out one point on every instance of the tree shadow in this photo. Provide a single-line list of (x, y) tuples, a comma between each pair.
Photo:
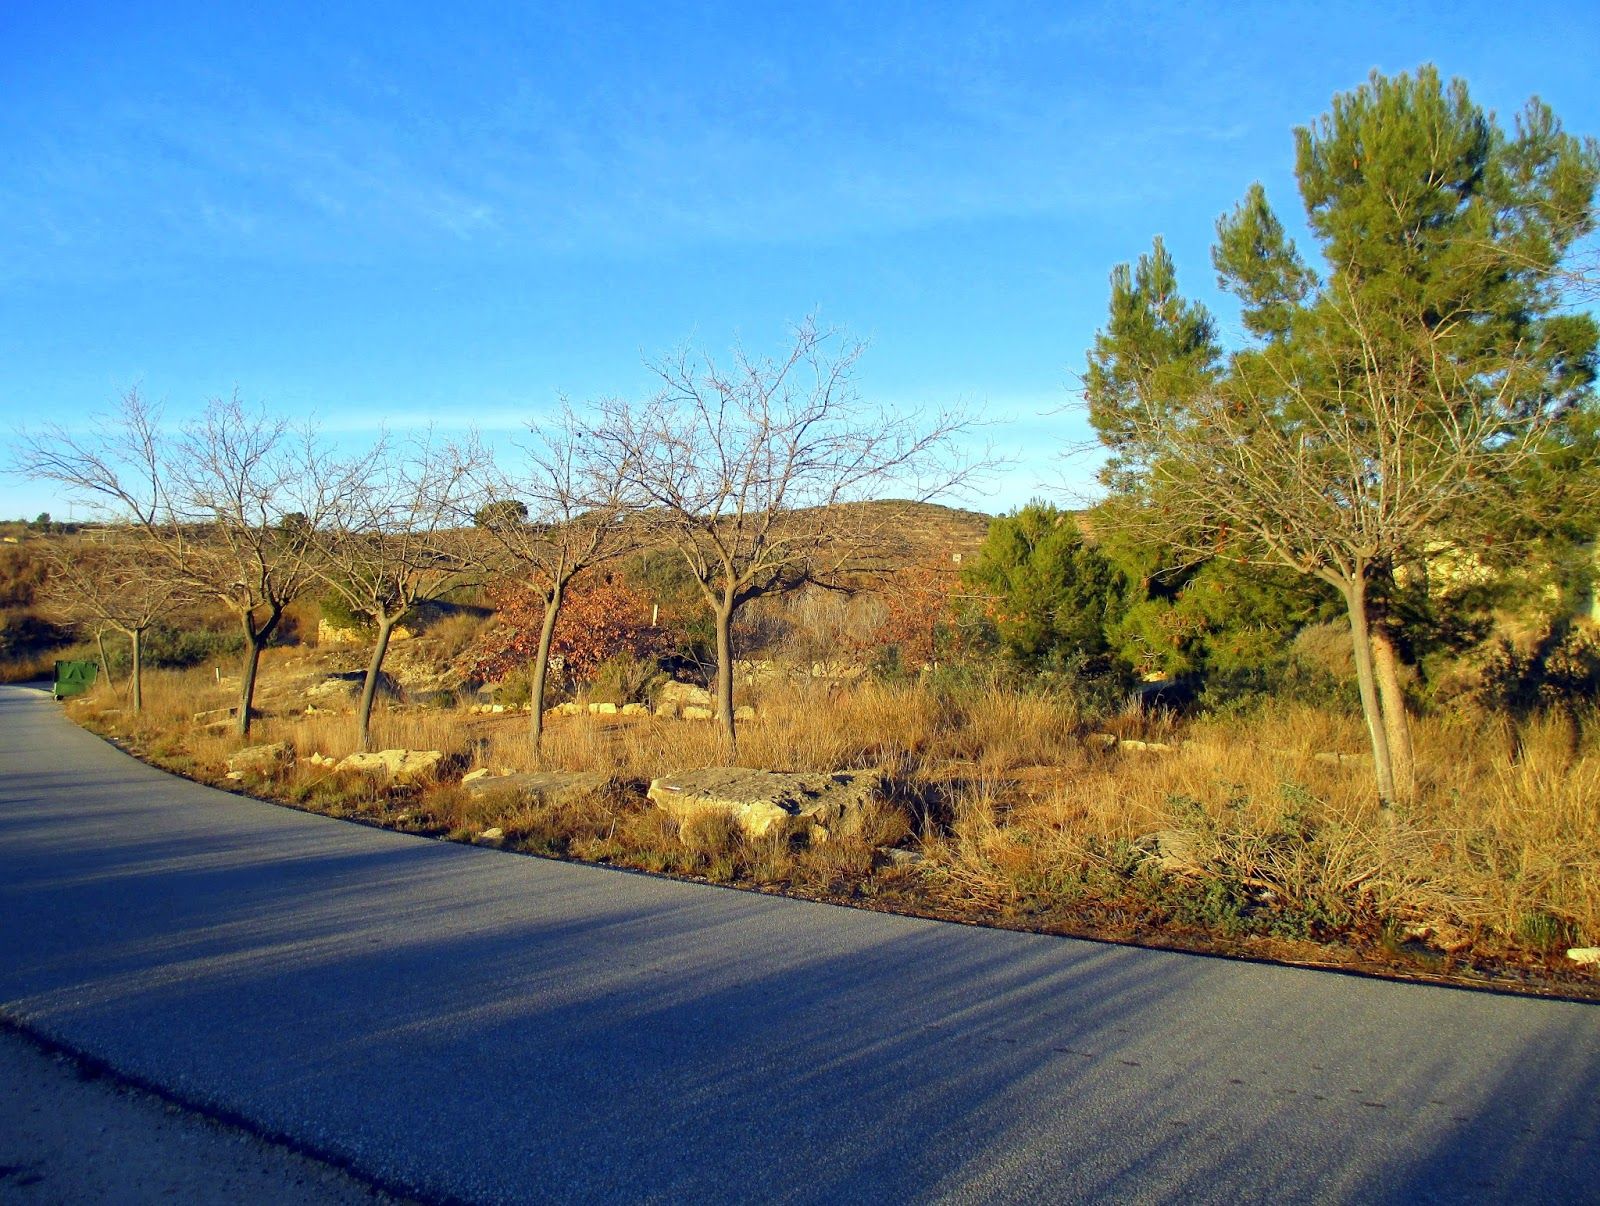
[(477, 1026)]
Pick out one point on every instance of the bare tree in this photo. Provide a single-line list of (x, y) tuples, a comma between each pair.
[(224, 511), (119, 468), (747, 471), (560, 513), (107, 583), (251, 492), (387, 543)]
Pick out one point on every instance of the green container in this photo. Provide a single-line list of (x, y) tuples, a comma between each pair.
[(74, 678)]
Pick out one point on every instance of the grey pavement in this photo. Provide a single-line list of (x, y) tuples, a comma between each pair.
[(71, 1136), (466, 1024)]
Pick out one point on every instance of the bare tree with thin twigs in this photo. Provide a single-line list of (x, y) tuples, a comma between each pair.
[(747, 471), (105, 583), (388, 543), (224, 510), (559, 513)]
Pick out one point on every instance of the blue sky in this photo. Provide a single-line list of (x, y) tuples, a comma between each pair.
[(400, 214)]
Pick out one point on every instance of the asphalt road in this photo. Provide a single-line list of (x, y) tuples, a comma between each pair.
[(70, 1136), (463, 1023)]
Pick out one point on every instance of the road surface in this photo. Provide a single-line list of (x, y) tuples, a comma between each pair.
[(465, 1024), (70, 1136)]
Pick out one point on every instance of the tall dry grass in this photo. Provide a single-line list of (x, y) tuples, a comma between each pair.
[(1023, 814)]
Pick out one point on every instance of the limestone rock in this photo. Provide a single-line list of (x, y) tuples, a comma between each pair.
[(762, 802), (544, 787), (1335, 759), (898, 858), (483, 772), (215, 716), (261, 758), (401, 765), (694, 713), (1584, 954), (744, 713), (1175, 851), (1145, 747), (329, 633), (319, 759), (635, 709), (675, 698)]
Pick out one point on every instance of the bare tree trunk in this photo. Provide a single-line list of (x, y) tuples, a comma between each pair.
[(723, 615), (136, 653), (369, 687), (541, 664), (1397, 725), (247, 684), (1361, 640), (255, 640), (105, 664)]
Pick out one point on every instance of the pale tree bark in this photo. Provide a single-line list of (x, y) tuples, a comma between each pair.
[(1390, 453), (112, 581), (105, 662), (136, 654), (722, 615), (1354, 592), (1396, 719)]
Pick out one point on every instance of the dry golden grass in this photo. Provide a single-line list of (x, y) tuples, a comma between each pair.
[(1023, 815)]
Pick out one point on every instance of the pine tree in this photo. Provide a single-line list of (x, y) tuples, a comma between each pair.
[(1424, 390)]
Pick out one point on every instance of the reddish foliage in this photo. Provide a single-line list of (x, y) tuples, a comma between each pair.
[(916, 600), (599, 619)]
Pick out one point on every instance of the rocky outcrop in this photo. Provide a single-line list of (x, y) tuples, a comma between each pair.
[(1175, 851), (345, 687), (541, 787), (763, 802), (403, 766), (261, 759), (329, 633), (675, 698)]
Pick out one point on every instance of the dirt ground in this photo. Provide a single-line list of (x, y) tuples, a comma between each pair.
[(69, 1134)]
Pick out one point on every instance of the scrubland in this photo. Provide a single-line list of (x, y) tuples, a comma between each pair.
[(1254, 832)]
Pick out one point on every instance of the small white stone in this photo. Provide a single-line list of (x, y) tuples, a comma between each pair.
[(1584, 954)]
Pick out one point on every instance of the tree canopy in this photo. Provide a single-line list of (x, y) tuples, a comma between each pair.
[(1423, 388)]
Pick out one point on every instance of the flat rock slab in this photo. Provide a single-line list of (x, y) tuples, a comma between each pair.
[(546, 787), (759, 800), (262, 758), (402, 765)]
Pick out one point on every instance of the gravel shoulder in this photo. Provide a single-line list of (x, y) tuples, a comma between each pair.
[(70, 1133)]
